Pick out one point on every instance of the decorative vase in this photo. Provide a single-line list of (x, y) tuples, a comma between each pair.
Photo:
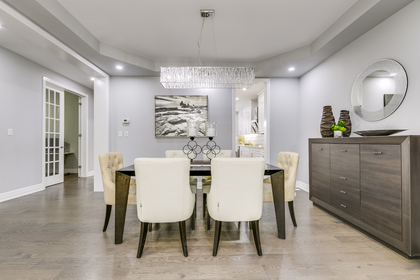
[(345, 117), (327, 121), (338, 134)]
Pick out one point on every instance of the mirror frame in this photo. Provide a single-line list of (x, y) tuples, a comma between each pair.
[(401, 82)]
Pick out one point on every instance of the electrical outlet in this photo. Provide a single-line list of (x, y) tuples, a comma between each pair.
[(125, 133), (10, 131), (119, 133)]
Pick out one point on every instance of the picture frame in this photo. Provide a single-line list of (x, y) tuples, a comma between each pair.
[(172, 113)]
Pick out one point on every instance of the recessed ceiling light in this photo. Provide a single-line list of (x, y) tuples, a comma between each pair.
[(119, 67), (291, 69), (92, 78), (244, 89), (237, 98)]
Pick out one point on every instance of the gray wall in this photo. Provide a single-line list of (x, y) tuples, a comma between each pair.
[(330, 83), (133, 98), (285, 114), (21, 110)]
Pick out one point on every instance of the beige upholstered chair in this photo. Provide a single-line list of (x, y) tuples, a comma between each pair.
[(110, 162), (289, 161), (236, 194), (163, 195), (193, 180), (206, 180)]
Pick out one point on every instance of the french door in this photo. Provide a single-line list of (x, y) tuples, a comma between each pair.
[(54, 136)]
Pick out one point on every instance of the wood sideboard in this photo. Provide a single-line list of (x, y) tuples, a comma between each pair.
[(371, 182)]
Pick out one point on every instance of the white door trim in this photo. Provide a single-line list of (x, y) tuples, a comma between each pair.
[(84, 112)]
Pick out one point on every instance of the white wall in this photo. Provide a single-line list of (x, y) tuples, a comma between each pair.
[(21, 109), (133, 98), (330, 83)]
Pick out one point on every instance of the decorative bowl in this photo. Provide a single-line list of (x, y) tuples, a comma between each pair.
[(380, 132)]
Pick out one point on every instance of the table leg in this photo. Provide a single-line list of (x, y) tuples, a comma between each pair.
[(122, 184), (277, 186)]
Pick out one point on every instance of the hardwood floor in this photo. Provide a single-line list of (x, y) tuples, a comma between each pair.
[(57, 234)]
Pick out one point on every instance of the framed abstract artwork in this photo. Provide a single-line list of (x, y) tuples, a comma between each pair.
[(172, 113)]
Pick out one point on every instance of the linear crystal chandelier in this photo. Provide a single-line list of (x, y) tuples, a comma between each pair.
[(178, 77)]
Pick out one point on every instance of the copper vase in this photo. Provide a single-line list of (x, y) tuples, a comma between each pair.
[(327, 121), (345, 117)]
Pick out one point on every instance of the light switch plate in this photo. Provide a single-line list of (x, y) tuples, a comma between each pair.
[(125, 133), (10, 131), (119, 133)]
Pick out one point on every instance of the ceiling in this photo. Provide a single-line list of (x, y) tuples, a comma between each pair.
[(142, 35)]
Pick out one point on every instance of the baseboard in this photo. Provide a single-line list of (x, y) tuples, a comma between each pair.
[(303, 186), (71, 170), (21, 192)]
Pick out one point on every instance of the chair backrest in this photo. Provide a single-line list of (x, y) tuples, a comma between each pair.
[(236, 192), (175, 154), (207, 156), (110, 162), (289, 161), (163, 189)]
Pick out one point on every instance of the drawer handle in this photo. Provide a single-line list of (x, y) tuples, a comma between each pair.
[(343, 151), (342, 205), (377, 153), (343, 178), (343, 191), (321, 149)]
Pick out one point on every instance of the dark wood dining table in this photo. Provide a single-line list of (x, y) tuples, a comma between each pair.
[(197, 168)]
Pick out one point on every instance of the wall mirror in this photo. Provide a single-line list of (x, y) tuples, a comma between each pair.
[(379, 90)]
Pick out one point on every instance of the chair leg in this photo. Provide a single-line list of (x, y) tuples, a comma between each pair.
[(207, 219), (193, 220), (150, 227), (107, 215), (204, 204), (256, 232), (183, 233), (217, 231), (292, 212), (142, 239)]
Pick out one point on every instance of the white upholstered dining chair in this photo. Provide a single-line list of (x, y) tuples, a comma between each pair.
[(109, 163), (289, 162), (206, 180), (236, 194), (193, 180), (163, 195)]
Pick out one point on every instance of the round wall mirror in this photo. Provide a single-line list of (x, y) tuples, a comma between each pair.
[(379, 90)]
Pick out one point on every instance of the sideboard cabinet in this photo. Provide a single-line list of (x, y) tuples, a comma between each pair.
[(371, 182)]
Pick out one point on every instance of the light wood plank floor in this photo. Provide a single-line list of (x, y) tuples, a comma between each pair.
[(57, 234)]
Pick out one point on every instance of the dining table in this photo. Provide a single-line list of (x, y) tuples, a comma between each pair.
[(197, 168)]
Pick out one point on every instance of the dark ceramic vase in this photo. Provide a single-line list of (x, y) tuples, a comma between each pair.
[(345, 117), (327, 121)]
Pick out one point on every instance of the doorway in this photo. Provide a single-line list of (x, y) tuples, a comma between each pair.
[(64, 132), (251, 119), (71, 134)]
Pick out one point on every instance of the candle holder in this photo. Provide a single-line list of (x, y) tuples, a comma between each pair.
[(192, 149), (212, 149), (211, 129)]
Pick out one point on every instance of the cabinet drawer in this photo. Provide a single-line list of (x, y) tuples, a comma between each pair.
[(347, 200), (381, 188), (345, 165), (320, 172)]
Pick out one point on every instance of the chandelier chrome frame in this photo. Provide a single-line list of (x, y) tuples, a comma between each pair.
[(189, 77)]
